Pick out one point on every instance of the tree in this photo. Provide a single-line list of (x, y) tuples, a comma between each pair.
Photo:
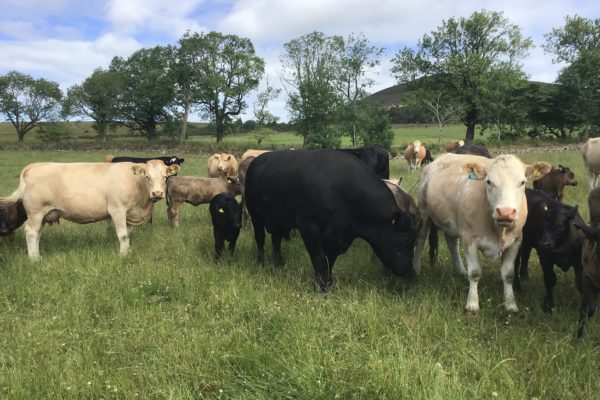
[(357, 58), (310, 64), (462, 58), (96, 98), (578, 44), (261, 113), (373, 125), (27, 102), (440, 108), (224, 69), (147, 98)]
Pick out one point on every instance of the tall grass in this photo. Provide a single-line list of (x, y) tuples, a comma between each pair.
[(168, 322)]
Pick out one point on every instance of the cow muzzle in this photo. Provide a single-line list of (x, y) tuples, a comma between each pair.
[(505, 216), (157, 195)]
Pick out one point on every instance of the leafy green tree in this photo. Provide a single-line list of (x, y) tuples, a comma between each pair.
[(310, 65), (463, 58), (27, 102), (578, 44), (96, 98), (357, 58), (224, 69), (373, 125), (147, 98), (261, 112)]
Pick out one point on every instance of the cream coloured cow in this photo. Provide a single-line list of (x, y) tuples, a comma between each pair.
[(89, 192), (482, 202), (253, 153), (414, 154), (222, 164), (590, 151)]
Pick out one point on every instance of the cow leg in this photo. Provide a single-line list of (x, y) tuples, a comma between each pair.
[(219, 243), (119, 218), (33, 230), (589, 295), (474, 274), (421, 237), (259, 237), (318, 258), (521, 266), (452, 243), (232, 243), (276, 243), (507, 271), (549, 282), (591, 177), (173, 213)]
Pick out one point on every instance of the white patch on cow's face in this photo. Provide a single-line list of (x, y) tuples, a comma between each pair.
[(505, 187), (416, 147)]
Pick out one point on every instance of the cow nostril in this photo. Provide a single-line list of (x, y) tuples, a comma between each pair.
[(157, 194)]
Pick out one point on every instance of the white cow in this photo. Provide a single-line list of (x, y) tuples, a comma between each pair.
[(590, 151), (89, 192), (482, 202)]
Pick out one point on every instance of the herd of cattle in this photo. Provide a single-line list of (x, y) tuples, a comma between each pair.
[(332, 197)]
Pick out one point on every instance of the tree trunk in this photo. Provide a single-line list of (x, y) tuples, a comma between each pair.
[(151, 131), (219, 125), (353, 135), (470, 135), (186, 112), (21, 135)]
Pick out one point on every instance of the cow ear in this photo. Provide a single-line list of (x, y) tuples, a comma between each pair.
[(138, 170), (475, 171), (589, 233), (537, 170), (228, 157), (561, 168), (173, 169)]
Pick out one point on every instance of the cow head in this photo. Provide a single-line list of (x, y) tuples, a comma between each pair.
[(568, 176), (156, 174), (227, 213), (175, 160), (417, 147), (505, 177), (397, 242), (12, 216), (554, 224), (227, 165)]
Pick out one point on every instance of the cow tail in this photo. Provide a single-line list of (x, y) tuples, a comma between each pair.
[(17, 194), (433, 243)]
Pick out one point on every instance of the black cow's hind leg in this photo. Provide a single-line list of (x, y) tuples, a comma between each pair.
[(276, 242), (259, 236)]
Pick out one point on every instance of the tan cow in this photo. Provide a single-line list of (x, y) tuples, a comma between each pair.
[(253, 153), (195, 190), (222, 164), (414, 154), (482, 202), (454, 144), (590, 151), (89, 192)]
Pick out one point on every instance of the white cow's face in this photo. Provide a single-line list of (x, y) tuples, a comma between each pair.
[(156, 173), (416, 147), (505, 179)]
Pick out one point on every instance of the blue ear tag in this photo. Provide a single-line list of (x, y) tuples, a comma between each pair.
[(472, 176)]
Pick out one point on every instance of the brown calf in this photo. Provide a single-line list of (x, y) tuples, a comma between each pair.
[(554, 182)]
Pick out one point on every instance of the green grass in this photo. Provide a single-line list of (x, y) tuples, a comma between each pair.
[(168, 322)]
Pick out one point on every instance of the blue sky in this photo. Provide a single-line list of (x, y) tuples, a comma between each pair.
[(65, 40)]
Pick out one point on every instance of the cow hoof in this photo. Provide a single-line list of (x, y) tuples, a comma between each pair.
[(512, 309), (471, 311), (547, 308)]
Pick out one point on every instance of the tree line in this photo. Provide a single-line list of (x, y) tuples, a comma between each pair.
[(468, 70)]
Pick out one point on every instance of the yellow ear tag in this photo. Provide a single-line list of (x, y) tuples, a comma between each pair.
[(221, 210), (393, 220), (545, 207), (136, 171)]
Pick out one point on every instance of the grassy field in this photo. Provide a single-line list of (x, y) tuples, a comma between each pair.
[(82, 132), (168, 322)]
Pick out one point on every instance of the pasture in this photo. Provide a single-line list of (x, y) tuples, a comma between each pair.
[(168, 322)]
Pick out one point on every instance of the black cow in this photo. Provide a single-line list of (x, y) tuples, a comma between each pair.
[(167, 160), (226, 214), (473, 149), (375, 156), (550, 230), (11, 217), (332, 198)]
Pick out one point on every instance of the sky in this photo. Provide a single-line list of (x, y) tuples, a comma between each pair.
[(65, 40)]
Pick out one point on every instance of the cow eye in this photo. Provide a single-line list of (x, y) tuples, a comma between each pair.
[(488, 182), (523, 182)]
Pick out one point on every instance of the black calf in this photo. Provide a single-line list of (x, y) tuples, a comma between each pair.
[(226, 214)]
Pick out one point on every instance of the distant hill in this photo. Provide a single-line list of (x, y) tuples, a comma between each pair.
[(393, 95)]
